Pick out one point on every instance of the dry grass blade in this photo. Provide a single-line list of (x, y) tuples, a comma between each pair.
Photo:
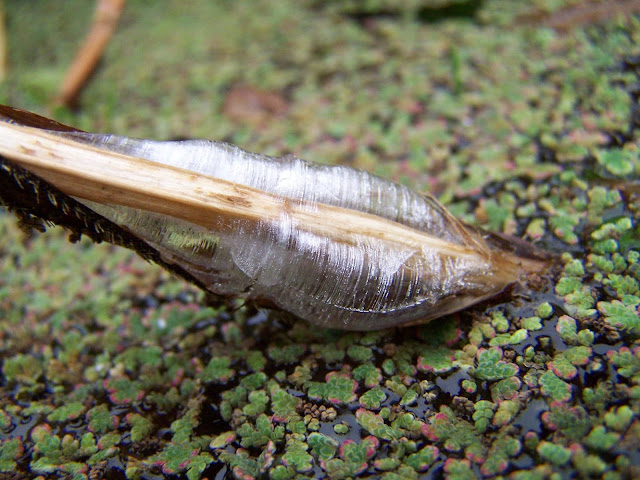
[(3, 44), (104, 24)]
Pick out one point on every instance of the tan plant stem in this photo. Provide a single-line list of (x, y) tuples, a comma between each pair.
[(104, 24)]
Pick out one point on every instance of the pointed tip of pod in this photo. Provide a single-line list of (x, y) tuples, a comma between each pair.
[(531, 258), (515, 260)]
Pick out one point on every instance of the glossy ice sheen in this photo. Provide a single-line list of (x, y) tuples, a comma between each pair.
[(364, 284), (293, 178)]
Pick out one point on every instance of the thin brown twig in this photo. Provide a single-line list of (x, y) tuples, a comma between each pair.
[(104, 24), (3, 43)]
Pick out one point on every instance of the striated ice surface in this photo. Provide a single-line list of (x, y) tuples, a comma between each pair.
[(292, 178), (360, 285)]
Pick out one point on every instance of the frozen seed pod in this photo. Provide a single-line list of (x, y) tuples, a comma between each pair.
[(336, 246)]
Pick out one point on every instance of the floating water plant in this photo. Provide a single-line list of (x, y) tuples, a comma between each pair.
[(333, 245)]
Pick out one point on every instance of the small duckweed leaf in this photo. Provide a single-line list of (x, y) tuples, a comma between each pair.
[(579, 355), (552, 453), (301, 374), (607, 246), (375, 425), (586, 337), (456, 433), (386, 464), (505, 389), (536, 228), (483, 415), (619, 419), (388, 367), (123, 390), (341, 428), (66, 412), (573, 422), (554, 387), (11, 449), (409, 398), (568, 285), (601, 440), (101, 419), (563, 226), (217, 370), (329, 353), (627, 362), (322, 446), (507, 410), (617, 162), (198, 464), (24, 369), (5, 420), (45, 465), (297, 457), (176, 458), (360, 353), (502, 449), (514, 338), (407, 422), (260, 434), (254, 381), (423, 459), (500, 340), (134, 358), (339, 469), (544, 310), (280, 472), (574, 268), (490, 365), (369, 374), (286, 354), (469, 386), (338, 388), (283, 404), (532, 323), (372, 399), (623, 285), (562, 367), (141, 427), (567, 328), (459, 469), (183, 427), (222, 440), (499, 322), (435, 359), (620, 315), (258, 401), (242, 465), (109, 440), (588, 465), (256, 361), (359, 453)]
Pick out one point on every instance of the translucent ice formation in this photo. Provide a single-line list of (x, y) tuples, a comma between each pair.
[(333, 245)]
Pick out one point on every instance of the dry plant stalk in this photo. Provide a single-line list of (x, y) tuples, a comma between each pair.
[(104, 25), (336, 246)]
